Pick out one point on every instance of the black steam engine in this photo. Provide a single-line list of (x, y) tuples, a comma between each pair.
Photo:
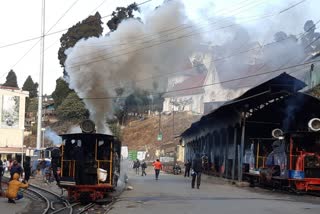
[(90, 163)]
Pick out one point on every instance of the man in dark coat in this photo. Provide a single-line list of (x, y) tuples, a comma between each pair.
[(27, 168), (15, 168), (1, 173), (197, 170), (55, 157), (187, 168), (143, 168), (137, 166)]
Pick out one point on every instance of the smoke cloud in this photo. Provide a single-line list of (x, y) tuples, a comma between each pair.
[(129, 57), (52, 136), (74, 129), (154, 49)]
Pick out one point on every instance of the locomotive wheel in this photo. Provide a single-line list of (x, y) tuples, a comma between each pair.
[(85, 197)]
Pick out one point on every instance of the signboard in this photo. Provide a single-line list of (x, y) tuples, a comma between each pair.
[(166, 159), (133, 154), (159, 137), (124, 152), (141, 155)]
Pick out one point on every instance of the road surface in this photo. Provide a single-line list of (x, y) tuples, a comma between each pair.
[(173, 194)]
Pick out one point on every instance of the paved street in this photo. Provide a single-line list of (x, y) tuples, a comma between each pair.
[(173, 194)]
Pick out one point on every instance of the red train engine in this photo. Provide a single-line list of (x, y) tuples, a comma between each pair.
[(90, 164)]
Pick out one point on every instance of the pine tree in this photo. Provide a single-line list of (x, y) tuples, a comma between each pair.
[(61, 91), (72, 108), (90, 27), (122, 13), (30, 86), (11, 80)]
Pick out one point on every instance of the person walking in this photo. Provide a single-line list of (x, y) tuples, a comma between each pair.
[(1, 173), (5, 165), (55, 157), (143, 168), (27, 168), (13, 188), (187, 168), (197, 170), (43, 166), (137, 167), (157, 167)]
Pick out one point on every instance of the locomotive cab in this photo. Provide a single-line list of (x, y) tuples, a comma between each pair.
[(90, 163)]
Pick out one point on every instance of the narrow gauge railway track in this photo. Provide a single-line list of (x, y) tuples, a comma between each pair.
[(55, 204), (51, 202), (44, 201), (47, 202)]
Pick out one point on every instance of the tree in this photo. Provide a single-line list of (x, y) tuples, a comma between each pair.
[(90, 27), (30, 86), (33, 105), (72, 108), (181, 103), (310, 39), (120, 14), (280, 36), (137, 102), (11, 80), (61, 91), (116, 130), (157, 102)]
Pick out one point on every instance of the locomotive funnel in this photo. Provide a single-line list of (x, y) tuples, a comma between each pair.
[(88, 126), (277, 133), (314, 124)]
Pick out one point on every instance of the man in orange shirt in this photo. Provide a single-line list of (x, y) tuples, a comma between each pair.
[(157, 167)]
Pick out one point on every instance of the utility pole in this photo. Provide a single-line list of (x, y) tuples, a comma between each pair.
[(159, 122), (175, 146), (310, 76), (173, 123), (41, 76)]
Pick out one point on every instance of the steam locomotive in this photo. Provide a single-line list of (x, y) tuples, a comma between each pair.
[(89, 163), (292, 162)]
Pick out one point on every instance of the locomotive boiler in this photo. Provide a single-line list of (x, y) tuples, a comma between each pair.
[(90, 163)]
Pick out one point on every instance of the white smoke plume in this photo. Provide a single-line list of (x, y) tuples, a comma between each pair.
[(52, 136), (138, 53), (74, 129), (130, 57)]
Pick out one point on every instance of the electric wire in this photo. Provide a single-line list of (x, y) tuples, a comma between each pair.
[(304, 65), (107, 57), (165, 75), (52, 33)]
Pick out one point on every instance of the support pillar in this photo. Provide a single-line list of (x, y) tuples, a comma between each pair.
[(234, 153), (242, 143)]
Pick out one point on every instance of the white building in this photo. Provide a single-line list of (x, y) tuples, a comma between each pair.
[(12, 118), (198, 89)]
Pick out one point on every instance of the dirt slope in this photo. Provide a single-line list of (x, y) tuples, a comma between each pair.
[(142, 135)]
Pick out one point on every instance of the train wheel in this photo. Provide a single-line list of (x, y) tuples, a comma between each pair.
[(85, 197)]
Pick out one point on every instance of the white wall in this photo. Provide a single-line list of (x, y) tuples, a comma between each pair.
[(196, 105)]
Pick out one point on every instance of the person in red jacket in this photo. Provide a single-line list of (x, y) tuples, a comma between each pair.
[(157, 167)]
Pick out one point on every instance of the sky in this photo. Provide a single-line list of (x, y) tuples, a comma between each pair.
[(21, 20)]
